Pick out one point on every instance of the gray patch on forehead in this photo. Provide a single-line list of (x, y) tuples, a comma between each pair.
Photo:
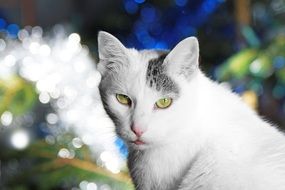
[(157, 78)]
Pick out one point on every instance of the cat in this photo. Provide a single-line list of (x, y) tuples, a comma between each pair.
[(183, 130)]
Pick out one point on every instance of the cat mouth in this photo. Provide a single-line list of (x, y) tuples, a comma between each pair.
[(138, 142)]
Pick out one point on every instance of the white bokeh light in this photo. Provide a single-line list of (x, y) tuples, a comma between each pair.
[(10, 60), (20, 139), (91, 186), (66, 78), (74, 38), (110, 161), (34, 47), (52, 118), (83, 185), (64, 153), (77, 142), (6, 118), (45, 50), (2, 45), (44, 97)]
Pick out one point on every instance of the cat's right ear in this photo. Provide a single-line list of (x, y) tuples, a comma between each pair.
[(111, 51), (183, 59)]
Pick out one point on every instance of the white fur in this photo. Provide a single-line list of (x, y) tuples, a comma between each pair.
[(208, 139)]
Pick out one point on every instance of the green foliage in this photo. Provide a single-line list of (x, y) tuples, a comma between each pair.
[(257, 63), (50, 171), (238, 64), (16, 95)]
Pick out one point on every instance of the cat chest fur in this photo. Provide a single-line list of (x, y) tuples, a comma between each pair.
[(155, 170)]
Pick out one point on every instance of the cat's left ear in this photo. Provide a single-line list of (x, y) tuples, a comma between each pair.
[(112, 52), (109, 46), (183, 59)]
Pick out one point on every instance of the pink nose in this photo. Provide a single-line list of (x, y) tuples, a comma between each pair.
[(137, 130)]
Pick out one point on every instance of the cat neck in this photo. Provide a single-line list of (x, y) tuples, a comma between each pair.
[(160, 168)]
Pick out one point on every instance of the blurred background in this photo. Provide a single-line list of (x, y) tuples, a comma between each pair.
[(54, 133)]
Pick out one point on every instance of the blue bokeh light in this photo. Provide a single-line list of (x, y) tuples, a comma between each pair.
[(279, 62), (181, 3), (148, 14), (122, 147), (130, 6), (2, 23), (161, 45), (155, 30), (279, 91), (208, 6), (139, 1), (13, 30), (239, 88)]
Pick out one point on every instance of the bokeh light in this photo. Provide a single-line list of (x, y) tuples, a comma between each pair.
[(20, 139)]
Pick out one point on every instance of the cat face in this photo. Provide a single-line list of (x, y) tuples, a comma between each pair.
[(143, 91)]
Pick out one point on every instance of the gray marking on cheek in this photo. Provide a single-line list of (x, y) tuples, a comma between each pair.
[(104, 96), (104, 93), (157, 78)]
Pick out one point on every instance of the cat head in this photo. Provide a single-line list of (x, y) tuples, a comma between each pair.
[(145, 92)]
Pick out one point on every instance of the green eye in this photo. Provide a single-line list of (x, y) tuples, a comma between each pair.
[(123, 99), (163, 103)]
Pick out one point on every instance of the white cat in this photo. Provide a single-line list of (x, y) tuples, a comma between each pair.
[(183, 130)]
